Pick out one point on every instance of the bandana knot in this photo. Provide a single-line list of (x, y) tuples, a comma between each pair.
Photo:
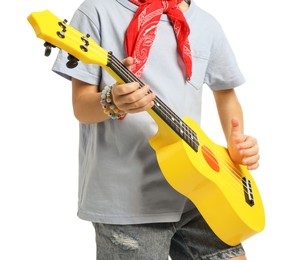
[(142, 29), (168, 5)]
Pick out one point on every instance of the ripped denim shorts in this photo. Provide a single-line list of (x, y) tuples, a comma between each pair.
[(190, 238)]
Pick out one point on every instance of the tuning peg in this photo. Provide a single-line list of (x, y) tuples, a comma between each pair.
[(73, 62), (85, 39), (48, 46)]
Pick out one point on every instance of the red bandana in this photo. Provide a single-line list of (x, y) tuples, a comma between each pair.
[(142, 30)]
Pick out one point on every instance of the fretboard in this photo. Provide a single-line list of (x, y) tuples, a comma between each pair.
[(160, 108)]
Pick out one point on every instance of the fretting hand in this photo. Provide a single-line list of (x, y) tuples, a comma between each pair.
[(129, 97)]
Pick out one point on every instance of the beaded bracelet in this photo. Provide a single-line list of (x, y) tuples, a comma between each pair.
[(108, 105)]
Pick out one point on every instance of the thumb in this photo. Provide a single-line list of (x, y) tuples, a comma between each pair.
[(235, 126), (128, 62), (236, 135)]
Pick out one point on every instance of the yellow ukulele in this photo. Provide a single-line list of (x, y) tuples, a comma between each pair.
[(225, 193)]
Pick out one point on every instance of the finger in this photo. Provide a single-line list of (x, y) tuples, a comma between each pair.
[(124, 89), (250, 159), (251, 152), (128, 62), (253, 166), (138, 94), (139, 98), (142, 105), (248, 143), (236, 134), (235, 126)]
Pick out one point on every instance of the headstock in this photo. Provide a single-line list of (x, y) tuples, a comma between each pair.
[(57, 33)]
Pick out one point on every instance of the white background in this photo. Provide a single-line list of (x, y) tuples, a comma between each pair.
[(39, 135)]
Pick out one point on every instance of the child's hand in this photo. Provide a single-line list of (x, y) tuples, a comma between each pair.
[(243, 149), (130, 98)]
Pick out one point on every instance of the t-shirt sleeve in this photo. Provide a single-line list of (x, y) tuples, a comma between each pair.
[(222, 71), (90, 73)]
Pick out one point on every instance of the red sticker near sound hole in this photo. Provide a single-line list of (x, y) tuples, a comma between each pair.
[(210, 158)]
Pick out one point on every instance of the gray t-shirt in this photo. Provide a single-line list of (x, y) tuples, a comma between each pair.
[(119, 179)]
